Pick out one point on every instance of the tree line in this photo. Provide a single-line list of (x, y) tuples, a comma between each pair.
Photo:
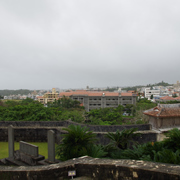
[(66, 108)]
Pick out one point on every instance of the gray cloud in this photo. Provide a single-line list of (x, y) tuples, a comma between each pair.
[(71, 44)]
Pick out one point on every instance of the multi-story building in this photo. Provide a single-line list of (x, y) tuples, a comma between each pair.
[(149, 92), (100, 99), (48, 97), (177, 86)]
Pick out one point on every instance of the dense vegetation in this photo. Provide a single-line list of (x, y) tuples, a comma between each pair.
[(166, 151), (25, 110), (79, 142), (170, 102), (66, 108), (30, 110), (142, 105), (105, 116)]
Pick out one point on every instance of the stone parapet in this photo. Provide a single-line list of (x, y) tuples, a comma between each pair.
[(95, 169)]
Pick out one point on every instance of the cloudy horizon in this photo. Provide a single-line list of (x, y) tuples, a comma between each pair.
[(77, 43)]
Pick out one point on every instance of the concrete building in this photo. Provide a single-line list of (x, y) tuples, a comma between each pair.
[(177, 85), (100, 99), (48, 97), (149, 92)]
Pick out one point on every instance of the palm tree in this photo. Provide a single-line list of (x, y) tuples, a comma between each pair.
[(75, 143), (173, 139), (122, 139)]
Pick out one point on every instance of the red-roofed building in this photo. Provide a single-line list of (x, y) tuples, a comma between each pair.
[(167, 98), (177, 98), (100, 99), (164, 116)]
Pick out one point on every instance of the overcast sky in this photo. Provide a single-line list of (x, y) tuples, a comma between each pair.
[(99, 43)]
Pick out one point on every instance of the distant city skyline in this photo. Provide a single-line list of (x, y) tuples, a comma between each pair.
[(72, 44), (50, 88)]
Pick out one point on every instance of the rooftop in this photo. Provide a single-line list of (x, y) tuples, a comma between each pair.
[(167, 98), (94, 93), (164, 110)]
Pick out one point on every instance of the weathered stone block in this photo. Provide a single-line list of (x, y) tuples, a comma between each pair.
[(30, 160), (28, 149)]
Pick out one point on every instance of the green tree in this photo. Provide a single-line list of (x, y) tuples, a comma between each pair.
[(11, 103), (28, 100), (108, 116), (75, 143), (174, 95), (66, 102), (172, 140), (166, 151), (130, 109), (141, 106), (24, 111), (151, 96), (122, 139)]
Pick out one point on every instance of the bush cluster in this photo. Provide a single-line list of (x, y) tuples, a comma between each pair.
[(79, 142)]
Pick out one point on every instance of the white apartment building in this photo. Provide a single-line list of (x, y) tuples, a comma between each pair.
[(149, 92)]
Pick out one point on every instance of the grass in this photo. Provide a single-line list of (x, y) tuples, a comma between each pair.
[(43, 148), (4, 149)]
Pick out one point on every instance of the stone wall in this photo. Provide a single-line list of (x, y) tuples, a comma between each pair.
[(95, 128), (146, 136), (111, 128), (39, 134), (95, 169), (32, 123), (30, 134), (37, 131), (160, 123)]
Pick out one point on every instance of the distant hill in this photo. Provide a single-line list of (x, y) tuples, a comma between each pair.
[(148, 85), (134, 88), (160, 84), (7, 92)]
